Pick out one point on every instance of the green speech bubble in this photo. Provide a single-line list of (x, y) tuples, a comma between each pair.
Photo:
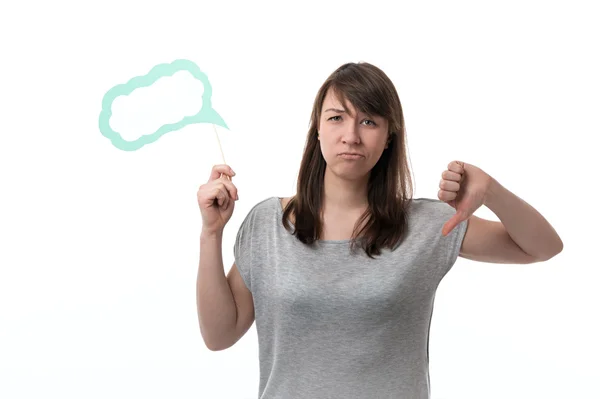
[(206, 114)]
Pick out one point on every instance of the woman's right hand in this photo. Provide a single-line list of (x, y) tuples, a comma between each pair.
[(216, 199)]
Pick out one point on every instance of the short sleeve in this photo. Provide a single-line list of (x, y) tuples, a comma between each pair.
[(447, 248), (242, 250), (455, 240)]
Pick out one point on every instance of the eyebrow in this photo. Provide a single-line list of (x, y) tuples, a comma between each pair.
[(341, 111)]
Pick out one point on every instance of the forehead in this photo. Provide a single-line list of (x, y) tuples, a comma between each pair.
[(335, 99)]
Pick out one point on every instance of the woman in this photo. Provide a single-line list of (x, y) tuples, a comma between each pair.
[(341, 277)]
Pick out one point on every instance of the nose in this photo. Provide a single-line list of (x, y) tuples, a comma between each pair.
[(351, 134)]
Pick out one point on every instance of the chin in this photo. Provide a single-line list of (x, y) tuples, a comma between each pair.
[(349, 172)]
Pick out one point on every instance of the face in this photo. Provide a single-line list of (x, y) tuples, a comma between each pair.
[(353, 142)]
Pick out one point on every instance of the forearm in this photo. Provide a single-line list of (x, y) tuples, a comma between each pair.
[(217, 312), (525, 225)]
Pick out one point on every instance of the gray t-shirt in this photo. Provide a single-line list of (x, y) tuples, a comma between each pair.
[(335, 325)]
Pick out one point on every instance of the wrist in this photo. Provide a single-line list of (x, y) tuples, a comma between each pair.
[(211, 234), (493, 194)]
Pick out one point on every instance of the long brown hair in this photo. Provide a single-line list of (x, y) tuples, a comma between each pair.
[(369, 90)]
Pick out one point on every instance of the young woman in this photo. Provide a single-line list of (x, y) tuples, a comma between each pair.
[(341, 277)]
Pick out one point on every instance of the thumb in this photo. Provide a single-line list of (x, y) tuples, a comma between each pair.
[(453, 222)]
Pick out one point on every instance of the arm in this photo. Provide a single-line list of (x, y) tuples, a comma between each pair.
[(523, 235), (225, 306)]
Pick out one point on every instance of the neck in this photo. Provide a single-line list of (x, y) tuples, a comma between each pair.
[(344, 195)]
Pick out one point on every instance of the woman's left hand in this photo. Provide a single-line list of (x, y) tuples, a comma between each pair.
[(464, 187)]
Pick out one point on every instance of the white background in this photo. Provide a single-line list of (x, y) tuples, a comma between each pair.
[(99, 247)]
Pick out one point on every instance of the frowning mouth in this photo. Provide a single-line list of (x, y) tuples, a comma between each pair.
[(351, 155)]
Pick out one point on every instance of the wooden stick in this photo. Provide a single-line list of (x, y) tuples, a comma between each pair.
[(220, 148)]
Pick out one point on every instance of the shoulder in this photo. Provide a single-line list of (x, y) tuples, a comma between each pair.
[(429, 208), (427, 216), (261, 212), (266, 205)]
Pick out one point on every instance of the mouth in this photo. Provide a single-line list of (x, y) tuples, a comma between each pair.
[(351, 155)]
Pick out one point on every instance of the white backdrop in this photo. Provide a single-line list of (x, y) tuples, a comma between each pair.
[(99, 247)]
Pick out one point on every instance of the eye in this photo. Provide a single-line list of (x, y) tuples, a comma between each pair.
[(336, 116), (373, 123)]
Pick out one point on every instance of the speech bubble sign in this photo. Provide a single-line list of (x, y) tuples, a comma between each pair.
[(206, 114)]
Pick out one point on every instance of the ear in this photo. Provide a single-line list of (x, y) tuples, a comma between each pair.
[(389, 140)]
